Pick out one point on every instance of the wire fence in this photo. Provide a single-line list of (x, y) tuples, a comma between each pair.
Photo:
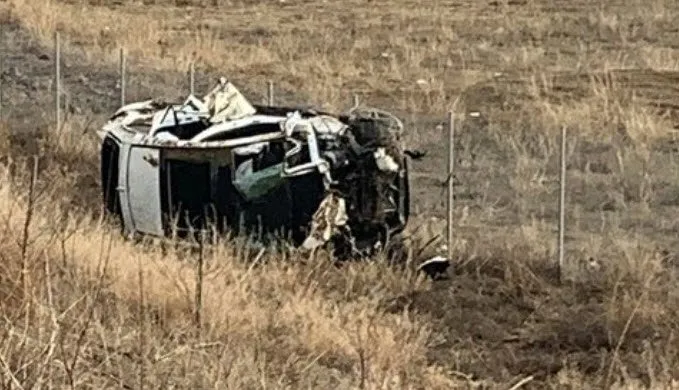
[(449, 140)]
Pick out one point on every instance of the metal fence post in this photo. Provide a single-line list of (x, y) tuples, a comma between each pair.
[(270, 93), (2, 68), (57, 78), (562, 203), (192, 78), (122, 76), (451, 176)]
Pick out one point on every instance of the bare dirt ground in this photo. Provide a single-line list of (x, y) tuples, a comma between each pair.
[(606, 70)]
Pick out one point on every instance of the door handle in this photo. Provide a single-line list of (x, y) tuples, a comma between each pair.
[(151, 160)]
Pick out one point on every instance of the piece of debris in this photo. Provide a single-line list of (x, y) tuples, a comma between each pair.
[(330, 217), (223, 162), (435, 267)]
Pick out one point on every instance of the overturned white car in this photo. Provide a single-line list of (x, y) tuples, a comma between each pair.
[(224, 163)]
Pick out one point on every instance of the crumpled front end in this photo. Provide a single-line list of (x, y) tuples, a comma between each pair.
[(224, 163), (369, 171)]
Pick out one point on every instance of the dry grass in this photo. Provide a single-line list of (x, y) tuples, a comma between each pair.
[(328, 58), (607, 70), (442, 48), (82, 307)]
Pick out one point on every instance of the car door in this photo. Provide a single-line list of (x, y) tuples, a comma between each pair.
[(140, 193)]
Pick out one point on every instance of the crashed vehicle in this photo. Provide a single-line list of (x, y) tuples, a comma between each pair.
[(223, 162)]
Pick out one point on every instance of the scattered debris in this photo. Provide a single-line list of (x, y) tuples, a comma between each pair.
[(224, 163)]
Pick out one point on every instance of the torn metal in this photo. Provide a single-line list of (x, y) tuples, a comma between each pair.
[(221, 161)]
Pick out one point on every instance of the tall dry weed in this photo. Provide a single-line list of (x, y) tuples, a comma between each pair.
[(110, 290)]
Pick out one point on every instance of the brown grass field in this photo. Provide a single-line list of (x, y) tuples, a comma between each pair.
[(80, 307)]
